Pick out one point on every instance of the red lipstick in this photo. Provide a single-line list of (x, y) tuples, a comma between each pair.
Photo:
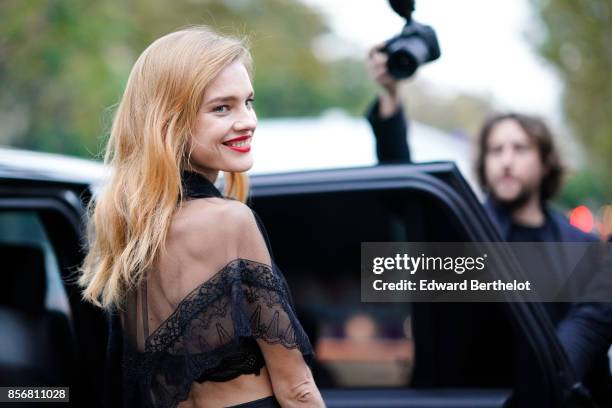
[(242, 149)]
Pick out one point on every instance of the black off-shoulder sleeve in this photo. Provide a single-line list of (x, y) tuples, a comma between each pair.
[(244, 300)]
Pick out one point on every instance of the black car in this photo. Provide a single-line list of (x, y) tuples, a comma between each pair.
[(368, 354)]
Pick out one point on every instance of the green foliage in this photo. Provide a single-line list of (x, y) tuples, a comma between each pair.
[(578, 43), (586, 187), (63, 63)]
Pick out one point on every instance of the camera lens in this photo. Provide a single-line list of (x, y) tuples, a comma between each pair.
[(405, 56), (401, 64)]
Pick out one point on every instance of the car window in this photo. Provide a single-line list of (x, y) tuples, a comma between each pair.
[(24, 229), (317, 239)]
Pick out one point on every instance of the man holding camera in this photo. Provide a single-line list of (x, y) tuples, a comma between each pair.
[(385, 115), (519, 167)]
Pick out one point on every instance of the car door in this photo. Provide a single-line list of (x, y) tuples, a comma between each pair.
[(49, 336), (402, 354)]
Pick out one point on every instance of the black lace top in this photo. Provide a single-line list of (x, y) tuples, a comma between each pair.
[(211, 334)]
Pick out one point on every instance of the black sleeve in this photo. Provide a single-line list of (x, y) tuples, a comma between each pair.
[(586, 331), (391, 135), (586, 334)]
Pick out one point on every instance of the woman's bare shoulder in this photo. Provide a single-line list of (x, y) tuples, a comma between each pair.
[(211, 224), (204, 236), (217, 214)]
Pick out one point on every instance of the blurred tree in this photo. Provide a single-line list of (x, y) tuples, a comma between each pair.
[(578, 42), (57, 72), (583, 188), (63, 63)]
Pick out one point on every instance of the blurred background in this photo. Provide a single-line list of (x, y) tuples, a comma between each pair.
[(63, 65)]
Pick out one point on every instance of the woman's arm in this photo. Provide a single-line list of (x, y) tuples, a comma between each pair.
[(292, 380)]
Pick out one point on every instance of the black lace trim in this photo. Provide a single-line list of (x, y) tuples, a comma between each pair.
[(211, 326)]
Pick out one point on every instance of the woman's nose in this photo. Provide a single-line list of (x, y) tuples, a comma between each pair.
[(246, 121)]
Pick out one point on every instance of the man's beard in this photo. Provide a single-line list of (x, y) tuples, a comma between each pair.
[(518, 201)]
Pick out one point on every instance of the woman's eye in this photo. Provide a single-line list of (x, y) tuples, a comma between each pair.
[(221, 108), (249, 102)]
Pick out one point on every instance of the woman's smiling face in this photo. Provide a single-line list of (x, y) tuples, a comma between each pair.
[(226, 121)]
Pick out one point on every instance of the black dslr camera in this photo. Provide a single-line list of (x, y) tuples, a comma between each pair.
[(416, 45)]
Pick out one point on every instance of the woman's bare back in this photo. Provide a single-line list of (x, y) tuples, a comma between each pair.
[(198, 245)]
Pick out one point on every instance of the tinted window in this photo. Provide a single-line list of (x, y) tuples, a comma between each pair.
[(24, 229), (317, 243)]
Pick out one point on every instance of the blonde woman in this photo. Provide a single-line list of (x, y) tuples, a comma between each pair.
[(206, 316)]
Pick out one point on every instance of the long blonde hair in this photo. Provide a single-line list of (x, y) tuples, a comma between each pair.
[(147, 151)]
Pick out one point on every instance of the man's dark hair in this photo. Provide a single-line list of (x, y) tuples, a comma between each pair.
[(538, 132)]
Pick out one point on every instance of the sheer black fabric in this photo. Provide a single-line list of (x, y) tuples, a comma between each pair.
[(211, 335)]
